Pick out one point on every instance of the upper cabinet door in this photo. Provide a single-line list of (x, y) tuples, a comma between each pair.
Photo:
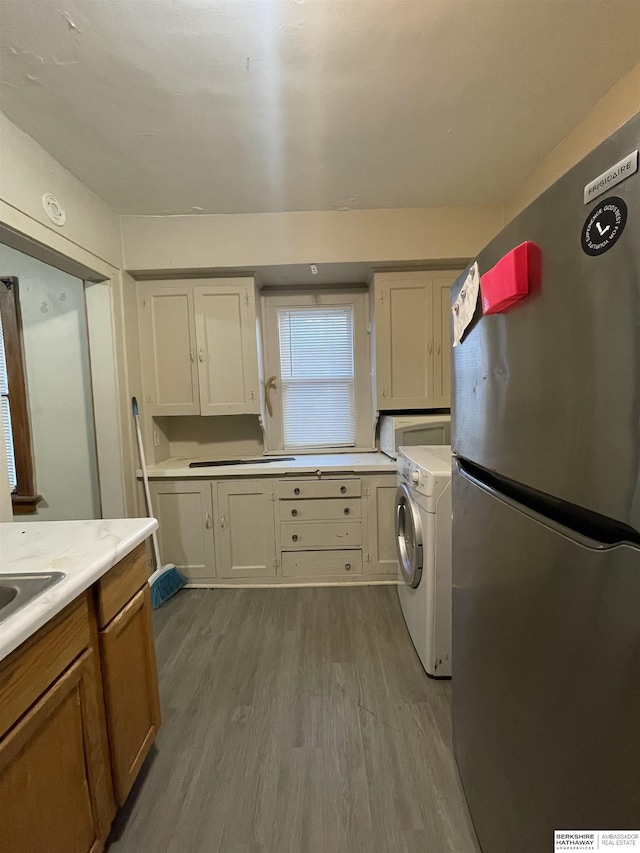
[(404, 341), (413, 340), (227, 357), (442, 340), (168, 349)]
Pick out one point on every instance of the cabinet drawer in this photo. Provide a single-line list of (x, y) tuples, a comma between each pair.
[(320, 510), (334, 534), (301, 564), (296, 489), (121, 583), (29, 671)]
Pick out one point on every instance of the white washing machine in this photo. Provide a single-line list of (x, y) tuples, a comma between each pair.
[(423, 540)]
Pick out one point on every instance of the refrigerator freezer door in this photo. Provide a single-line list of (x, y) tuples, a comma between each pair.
[(546, 654), (548, 393)]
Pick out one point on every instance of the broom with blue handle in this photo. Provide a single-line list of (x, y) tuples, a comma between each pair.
[(166, 580)]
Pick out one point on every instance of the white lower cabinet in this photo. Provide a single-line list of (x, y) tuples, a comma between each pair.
[(185, 512), (271, 530), (246, 543), (379, 534)]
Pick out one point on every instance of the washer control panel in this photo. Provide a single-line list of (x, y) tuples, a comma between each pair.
[(425, 469)]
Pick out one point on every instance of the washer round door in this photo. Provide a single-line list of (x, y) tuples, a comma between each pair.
[(408, 536)]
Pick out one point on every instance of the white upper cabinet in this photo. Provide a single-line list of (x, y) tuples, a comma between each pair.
[(412, 339), (198, 345), (167, 349), (227, 348), (442, 340)]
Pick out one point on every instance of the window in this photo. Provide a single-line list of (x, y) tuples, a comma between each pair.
[(318, 360), (318, 377), (6, 414), (13, 399)]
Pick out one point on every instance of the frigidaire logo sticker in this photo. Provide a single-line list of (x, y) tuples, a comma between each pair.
[(595, 839), (604, 226)]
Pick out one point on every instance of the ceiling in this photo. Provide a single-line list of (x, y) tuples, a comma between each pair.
[(235, 106)]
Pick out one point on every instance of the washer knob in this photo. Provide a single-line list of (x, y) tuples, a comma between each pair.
[(415, 477)]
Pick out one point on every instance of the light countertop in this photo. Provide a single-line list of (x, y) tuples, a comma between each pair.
[(83, 550), (327, 463)]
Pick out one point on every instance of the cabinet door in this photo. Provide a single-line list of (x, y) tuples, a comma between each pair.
[(227, 348), (442, 340), (167, 349), (404, 341), (50, 766), (130, 689), (379, 520), (246, 530), (184, 510)]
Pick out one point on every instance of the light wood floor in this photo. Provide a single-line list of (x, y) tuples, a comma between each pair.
[(295, 721)]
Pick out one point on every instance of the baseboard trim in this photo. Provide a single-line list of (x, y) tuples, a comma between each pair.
[(215, 585)]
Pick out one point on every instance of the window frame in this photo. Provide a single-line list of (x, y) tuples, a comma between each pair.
[(364, 416), (24, 498)]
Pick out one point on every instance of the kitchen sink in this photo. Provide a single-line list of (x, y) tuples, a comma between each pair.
[(17, 590)]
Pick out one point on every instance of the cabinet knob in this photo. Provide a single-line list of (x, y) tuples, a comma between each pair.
[(294, 512), (347, 510), (208, 520), (430, 347), (347, 566), (296, 491), (437, 347), (343, 489), (294, 538), (201, 355)]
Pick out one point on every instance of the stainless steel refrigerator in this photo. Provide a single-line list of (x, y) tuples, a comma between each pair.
[(546, 521)]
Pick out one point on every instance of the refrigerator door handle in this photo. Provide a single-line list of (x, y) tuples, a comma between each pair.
[(551, 523)]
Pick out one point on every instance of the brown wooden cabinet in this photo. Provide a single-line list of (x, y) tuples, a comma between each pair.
[(55, 783), (130, 689), (128, 667), (79, 710)]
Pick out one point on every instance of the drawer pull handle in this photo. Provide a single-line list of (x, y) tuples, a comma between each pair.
[(347, 510), (347, 566), (294, 512), (343, 489), (294, 538), (296, 491)]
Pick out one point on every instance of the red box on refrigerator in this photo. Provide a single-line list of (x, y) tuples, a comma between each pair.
[(514, 276)]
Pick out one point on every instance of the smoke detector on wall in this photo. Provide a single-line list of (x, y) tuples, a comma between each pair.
[(54, 209)]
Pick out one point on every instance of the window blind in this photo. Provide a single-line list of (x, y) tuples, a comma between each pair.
[(317, 376), (6, 414)]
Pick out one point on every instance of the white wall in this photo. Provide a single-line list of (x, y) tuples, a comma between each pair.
[(174, 243), (620, 104), (27, 171), (54, 325), (88, 245)]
